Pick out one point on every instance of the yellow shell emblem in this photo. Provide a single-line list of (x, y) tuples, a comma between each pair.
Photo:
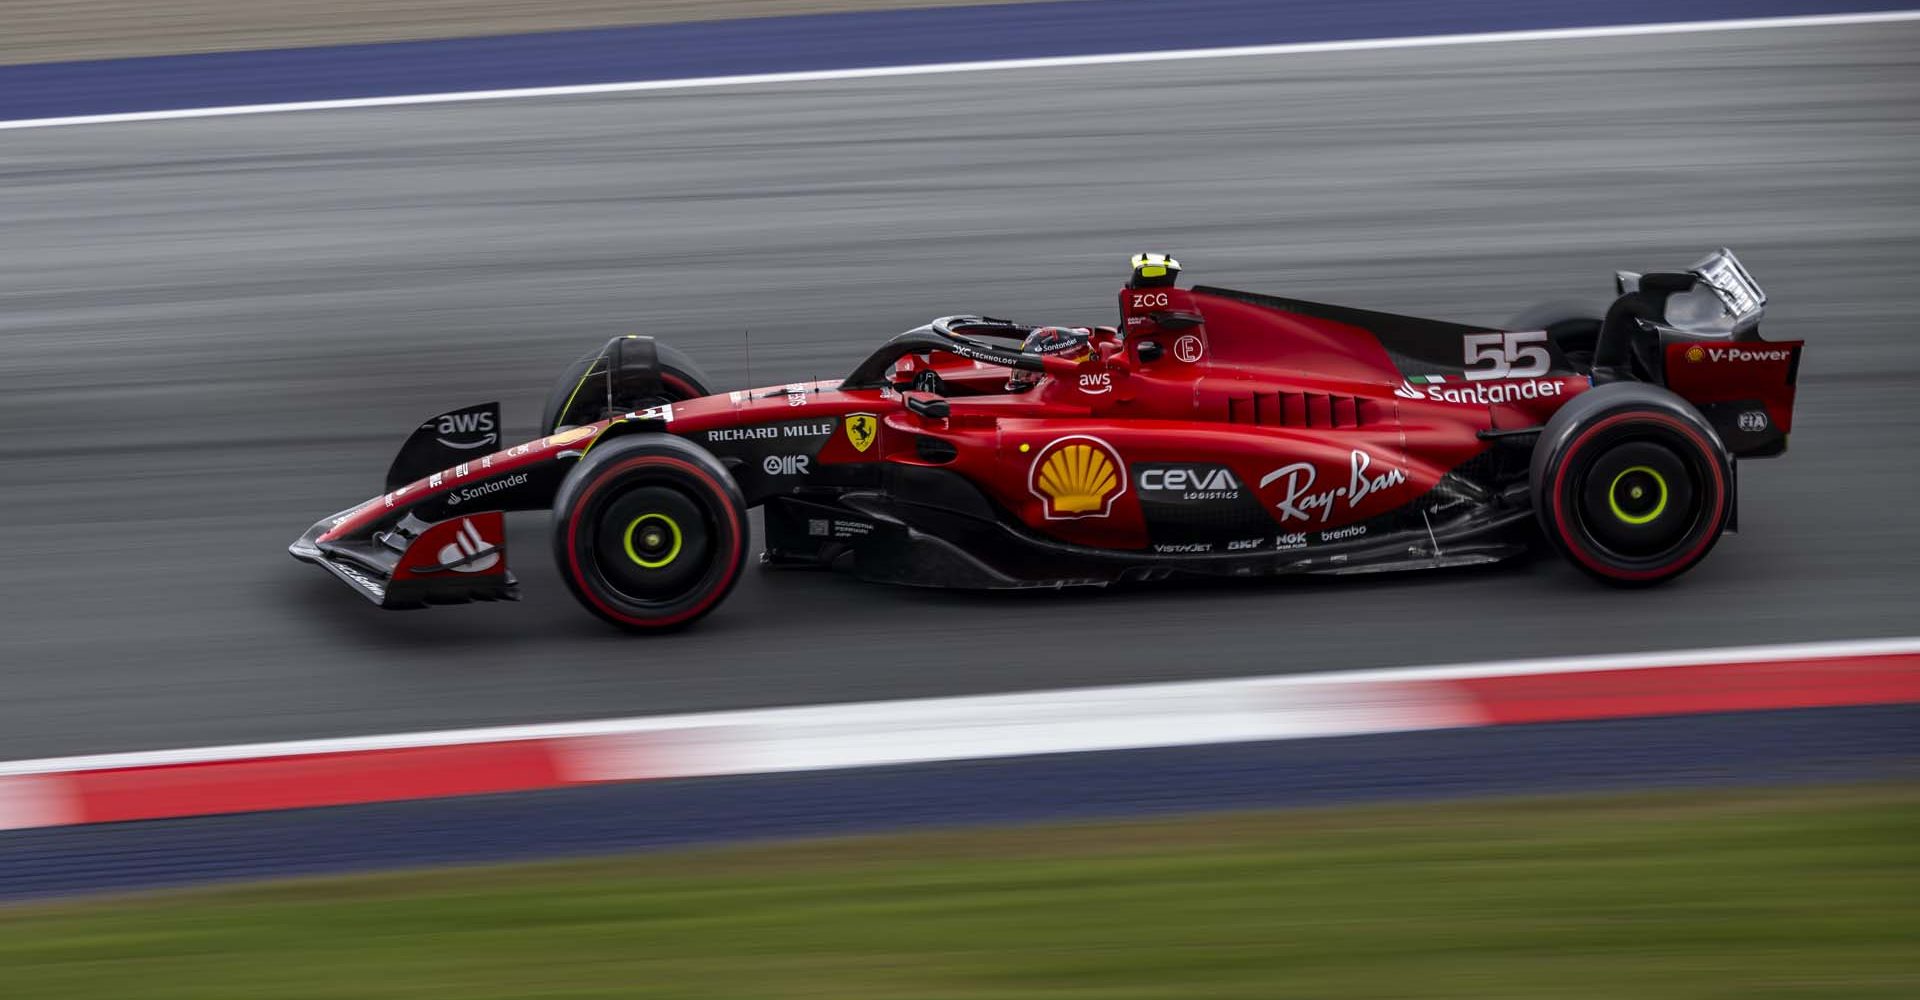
[(571, 435), (1696, 354), (1077, 477)]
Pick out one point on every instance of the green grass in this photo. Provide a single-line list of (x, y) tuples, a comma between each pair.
[(1768, 893)]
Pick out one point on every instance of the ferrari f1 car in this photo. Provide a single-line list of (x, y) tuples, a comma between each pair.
[(1213, 432)]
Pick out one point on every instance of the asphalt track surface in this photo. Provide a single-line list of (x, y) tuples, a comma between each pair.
[(214, 331)]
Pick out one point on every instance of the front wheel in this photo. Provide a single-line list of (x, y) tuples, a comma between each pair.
[(1631, 484), (650, 532), (578, 396)]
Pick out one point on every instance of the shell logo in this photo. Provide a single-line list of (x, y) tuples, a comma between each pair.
[(1696, 353), (570, 435), (1077, 476)]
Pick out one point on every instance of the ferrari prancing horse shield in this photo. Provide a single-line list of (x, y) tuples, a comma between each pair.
[(860, 428)]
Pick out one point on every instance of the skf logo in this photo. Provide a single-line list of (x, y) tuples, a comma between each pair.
[(1696, 354), (860, 429), (1077, 476)]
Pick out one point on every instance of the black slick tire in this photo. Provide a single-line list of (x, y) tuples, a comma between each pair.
[(650, 532), (1631, 484), (574, 399)]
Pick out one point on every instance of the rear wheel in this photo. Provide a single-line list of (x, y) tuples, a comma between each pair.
[(1574, 328), (577, 398), (1631, 484), (650, 532)]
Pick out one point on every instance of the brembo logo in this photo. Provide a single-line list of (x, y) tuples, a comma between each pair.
[(461, 426), (1079, 476)]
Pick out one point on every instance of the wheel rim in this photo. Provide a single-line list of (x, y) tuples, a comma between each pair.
[(653, 543), (659, 540), (1638, 495), (1640, 498)]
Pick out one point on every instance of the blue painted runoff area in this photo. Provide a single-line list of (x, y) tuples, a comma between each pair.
[(1809, 745), (808, 43)]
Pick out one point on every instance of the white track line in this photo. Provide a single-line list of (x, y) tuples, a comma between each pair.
[(928, 69), (959, 708)]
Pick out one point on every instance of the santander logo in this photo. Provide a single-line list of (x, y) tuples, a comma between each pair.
[(467, 542)]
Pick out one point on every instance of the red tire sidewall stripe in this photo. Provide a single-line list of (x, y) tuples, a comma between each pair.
[(680, 385), (1561, 521), (737, 524)]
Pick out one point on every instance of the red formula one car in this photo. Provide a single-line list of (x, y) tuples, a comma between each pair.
[(1213, 432)]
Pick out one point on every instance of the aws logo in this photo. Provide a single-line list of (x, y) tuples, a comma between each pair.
[(1077, 476), (465, 430)]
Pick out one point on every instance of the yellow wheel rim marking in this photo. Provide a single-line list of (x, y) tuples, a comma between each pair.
[(1613, 499), (672, 527)]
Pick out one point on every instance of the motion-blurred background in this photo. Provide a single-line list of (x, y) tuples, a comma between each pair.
[(211, 328)]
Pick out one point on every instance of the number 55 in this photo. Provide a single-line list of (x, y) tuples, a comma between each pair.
[(1508, 355)]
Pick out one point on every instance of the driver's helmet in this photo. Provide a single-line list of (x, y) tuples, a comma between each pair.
[(1069, 342), (1153, 270)]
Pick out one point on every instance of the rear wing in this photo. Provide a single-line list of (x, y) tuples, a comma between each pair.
[(1745, 388), (1712, 356)]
